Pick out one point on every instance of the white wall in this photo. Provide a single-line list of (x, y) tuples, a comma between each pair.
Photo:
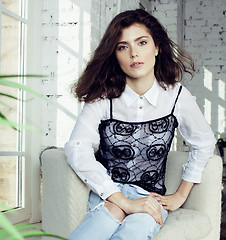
[(199, 26), (205, 39), (73, 28), (71, 31)]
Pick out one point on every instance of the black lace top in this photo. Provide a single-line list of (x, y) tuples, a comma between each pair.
[(136, 152)]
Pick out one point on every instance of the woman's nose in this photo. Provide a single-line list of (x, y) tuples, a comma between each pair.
[(133, 53)]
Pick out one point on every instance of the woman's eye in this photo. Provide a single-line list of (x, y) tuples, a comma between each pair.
[(122, 47), (142, 42)]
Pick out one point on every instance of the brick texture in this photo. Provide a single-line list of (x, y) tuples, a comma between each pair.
[(71, 30)]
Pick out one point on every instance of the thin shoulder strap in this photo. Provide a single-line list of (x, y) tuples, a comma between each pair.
[(179, 91), (111, 116)]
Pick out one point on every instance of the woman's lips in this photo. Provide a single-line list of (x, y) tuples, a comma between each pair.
[(136, 64)]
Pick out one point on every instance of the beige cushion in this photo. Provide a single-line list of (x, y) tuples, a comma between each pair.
[(65, 199), (184, 224)]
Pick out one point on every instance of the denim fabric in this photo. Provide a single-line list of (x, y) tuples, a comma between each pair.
[(99, 224)]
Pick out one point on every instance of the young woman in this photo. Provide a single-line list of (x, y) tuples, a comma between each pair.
[(133, 103)]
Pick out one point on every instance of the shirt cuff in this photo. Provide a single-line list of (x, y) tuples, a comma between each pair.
[(191, 175), (107, 189)]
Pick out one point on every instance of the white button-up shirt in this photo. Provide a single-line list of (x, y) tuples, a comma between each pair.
[(131, 107)]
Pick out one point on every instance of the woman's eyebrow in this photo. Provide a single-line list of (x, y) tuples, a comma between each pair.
[(135, 40)]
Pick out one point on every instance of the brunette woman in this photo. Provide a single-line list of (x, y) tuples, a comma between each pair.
[(133, 103)]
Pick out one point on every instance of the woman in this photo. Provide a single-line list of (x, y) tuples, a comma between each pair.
[(133, 103)]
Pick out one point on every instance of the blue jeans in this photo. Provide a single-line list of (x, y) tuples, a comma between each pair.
[(99, 223)]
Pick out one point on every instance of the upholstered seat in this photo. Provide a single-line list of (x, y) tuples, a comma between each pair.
[(65, 199)]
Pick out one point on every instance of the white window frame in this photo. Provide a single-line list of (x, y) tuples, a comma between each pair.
[(31, 209)]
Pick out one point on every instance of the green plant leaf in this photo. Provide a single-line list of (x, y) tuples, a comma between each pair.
[(7, 95), (2, 116), (4, 233), (25, 227), (25, 88), (9, 228), (22, 76), (6, 122), (23, 235), (41, 233), (4, 207), (36, 234)]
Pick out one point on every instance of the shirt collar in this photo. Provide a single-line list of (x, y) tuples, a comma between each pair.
[(151, 95)]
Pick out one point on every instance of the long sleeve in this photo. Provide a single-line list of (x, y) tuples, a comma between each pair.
[(81, 147), (197, 132)]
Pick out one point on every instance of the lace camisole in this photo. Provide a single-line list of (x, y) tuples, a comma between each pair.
[(136, 152)]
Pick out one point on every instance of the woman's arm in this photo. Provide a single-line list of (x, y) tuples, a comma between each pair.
[(174, 201), (196, 131), (194, 128), (141, 205), (80, 150)]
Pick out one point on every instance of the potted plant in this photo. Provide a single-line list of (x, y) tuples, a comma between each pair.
[(7, 229)]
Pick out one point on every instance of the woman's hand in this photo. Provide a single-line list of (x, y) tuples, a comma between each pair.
[(141, 205), (170, 202), (145, 205), (174, 201)]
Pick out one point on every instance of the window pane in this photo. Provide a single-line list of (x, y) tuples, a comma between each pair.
[(10, 45), (12, 5), (9, 184)]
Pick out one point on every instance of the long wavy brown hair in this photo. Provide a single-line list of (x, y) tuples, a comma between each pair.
[(103, 77)]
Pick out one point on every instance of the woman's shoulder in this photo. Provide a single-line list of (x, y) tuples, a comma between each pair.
[(183, 94), (97, 107), (173, 93)]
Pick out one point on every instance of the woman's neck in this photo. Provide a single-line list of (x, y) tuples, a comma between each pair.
[(140, 86)]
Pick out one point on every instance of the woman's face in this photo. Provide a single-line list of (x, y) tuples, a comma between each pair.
[(136, 52)]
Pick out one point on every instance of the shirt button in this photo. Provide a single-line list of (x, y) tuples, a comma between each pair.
[(78, 143), (85, 180), (101, 194), (141, 98), (140, 107)]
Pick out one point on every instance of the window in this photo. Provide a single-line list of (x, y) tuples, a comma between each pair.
[(13, 23)]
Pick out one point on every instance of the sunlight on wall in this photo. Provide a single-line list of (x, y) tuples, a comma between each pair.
[(208, 79), (208, 82), (207, 110), (74, 47), (221, 119), (221, 110), (86, 34), (221, 89)]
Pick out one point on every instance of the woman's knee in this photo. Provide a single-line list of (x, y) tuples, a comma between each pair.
[(116, 211)]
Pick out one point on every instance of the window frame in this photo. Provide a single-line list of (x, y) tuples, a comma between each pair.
[(30, 55)]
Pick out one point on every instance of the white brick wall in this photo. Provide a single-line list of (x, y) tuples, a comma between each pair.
[(66, 47), (72, 29), (166, 12), (204, 38)]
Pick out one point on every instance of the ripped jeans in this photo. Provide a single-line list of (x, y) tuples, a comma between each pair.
[(99, 224)]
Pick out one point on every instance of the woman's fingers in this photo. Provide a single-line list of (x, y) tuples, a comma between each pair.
[(146, 204), (161, 199), (155, 210), (155, 194)]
